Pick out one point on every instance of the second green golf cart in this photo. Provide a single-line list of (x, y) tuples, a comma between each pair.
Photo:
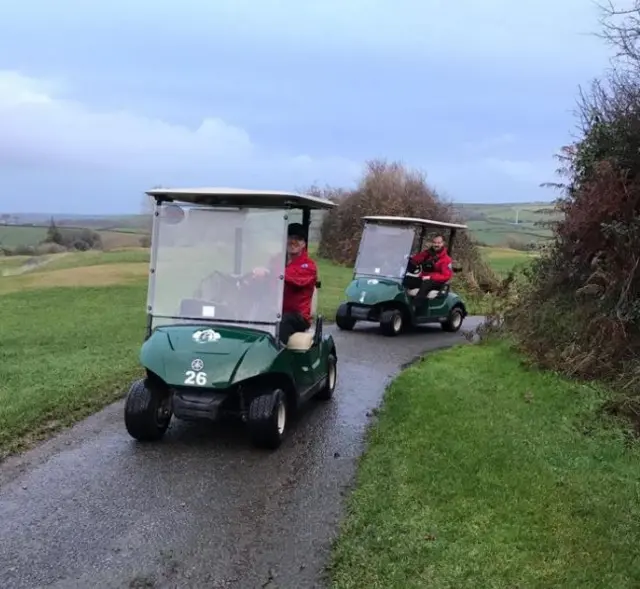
[(378, 291)]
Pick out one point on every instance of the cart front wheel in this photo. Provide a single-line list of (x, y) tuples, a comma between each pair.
[(268, 419), (147, 412), (343, 321)]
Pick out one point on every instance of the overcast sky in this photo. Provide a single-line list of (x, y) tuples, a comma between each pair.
[(101, 100)]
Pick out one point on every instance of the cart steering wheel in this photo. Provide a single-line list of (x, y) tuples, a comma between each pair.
[(234, 287)]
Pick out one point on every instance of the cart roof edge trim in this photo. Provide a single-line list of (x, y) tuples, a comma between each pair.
[(241, 197), (413, 221)]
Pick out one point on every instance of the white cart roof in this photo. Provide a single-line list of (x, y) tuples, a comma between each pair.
[(413, 221), (242, 197)]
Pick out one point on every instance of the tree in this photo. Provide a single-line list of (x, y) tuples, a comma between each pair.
[(54, 235)]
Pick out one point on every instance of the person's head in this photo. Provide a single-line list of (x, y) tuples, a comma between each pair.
[(438, 243), (296, 239)]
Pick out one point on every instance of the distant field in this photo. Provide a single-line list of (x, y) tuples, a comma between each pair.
[(119, 239), (495, 224), (503, 260), (501, 233), (19, 235), (528, 211), (15, 235)]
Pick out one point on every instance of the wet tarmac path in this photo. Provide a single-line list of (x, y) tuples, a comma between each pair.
[(92, 509)]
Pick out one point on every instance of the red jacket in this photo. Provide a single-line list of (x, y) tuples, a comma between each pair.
[(442, 267), (300, 276)]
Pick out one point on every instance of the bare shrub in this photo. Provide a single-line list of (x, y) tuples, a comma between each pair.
[(21, 250), (49, 248), (392, 189), (521, 246), (578, 308)]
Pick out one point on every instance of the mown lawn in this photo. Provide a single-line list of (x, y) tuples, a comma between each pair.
[(481, 473), (65, 353)]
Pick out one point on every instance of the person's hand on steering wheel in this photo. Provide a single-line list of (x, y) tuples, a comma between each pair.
[(260, 272)]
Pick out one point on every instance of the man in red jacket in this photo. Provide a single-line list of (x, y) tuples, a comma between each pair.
[(300, 276), (437, 269)]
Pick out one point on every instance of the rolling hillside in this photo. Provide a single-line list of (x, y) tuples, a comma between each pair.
[(509, 224), (490, 224)]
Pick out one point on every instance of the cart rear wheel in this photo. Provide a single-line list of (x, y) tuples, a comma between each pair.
[(268, 419), (147, 412), (454, 321), (332, 377), (391, 322)]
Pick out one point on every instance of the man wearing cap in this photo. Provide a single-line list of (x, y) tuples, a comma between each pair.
[(300, 276)]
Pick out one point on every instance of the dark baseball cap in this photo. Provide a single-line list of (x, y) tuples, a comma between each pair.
[(296, 230)]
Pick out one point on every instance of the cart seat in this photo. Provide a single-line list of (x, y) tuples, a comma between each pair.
[(432, 294), (301, 341)]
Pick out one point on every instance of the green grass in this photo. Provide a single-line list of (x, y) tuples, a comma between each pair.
[(7, 262), (334, 280), (503, 260), (64, 354), (96, 258), (481, 473)]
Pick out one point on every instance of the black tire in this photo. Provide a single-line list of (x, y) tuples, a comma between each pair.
[(391, 322), (343, 321), (326, 393), (147, 412), (264, 412), (454, 321)]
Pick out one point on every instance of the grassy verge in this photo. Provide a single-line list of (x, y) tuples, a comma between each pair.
[(482, 473)]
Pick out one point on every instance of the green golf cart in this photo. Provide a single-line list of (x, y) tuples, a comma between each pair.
[(384, 281), (212, 346)]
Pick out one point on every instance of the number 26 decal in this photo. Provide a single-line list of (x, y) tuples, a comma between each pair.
[(195, 378)]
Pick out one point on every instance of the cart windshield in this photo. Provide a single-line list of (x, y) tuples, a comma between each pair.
[(384, 250), (203, 260)]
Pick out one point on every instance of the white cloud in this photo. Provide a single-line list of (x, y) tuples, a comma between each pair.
[(38, 127)]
